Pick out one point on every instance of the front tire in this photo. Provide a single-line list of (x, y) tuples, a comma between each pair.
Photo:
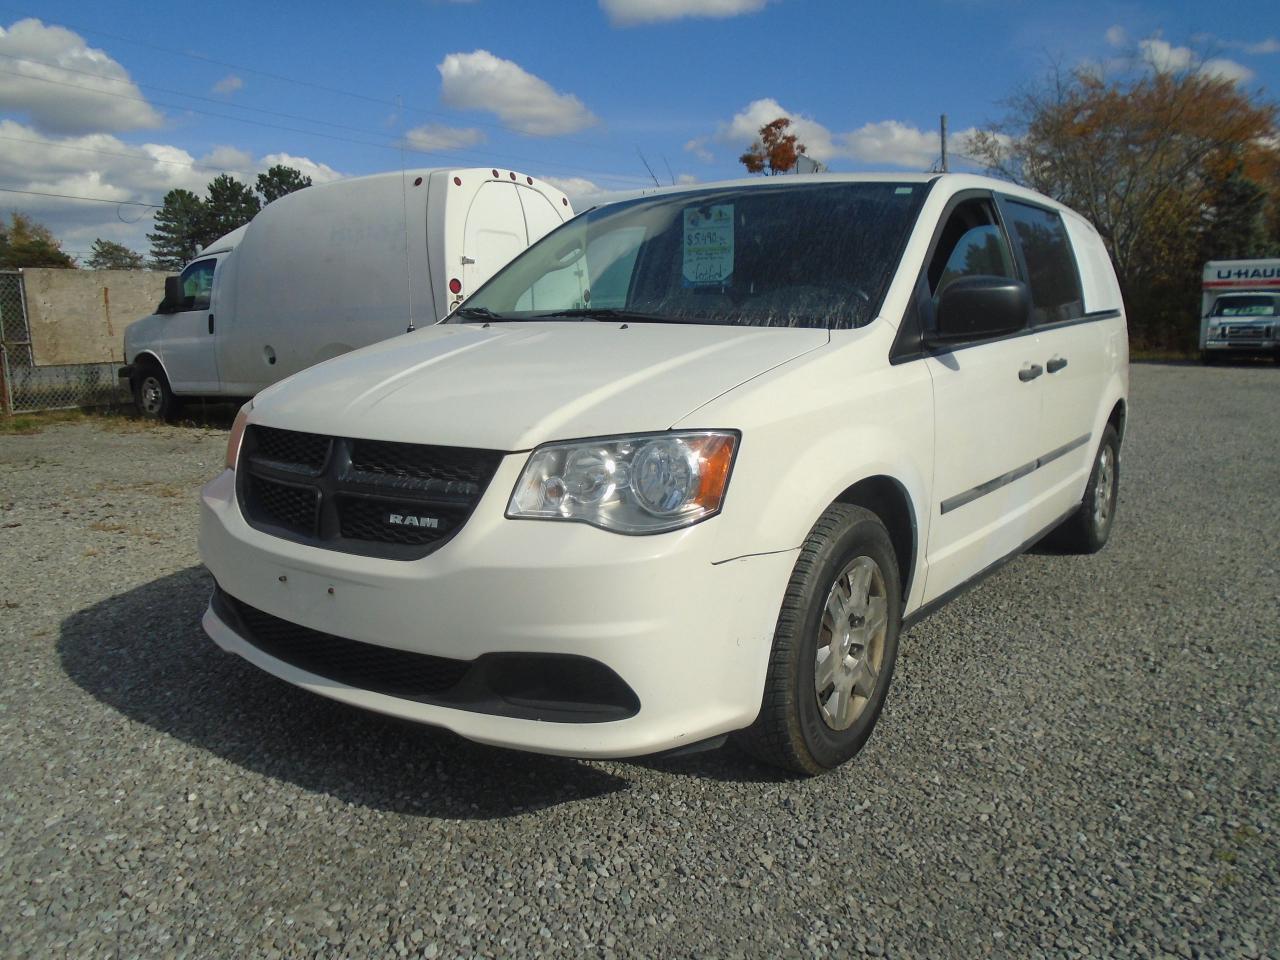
[(152, 396), (1088, 529), (834, 647)]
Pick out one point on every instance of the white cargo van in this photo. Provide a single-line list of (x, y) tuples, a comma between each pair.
[(328, 269), (1240, 309), (688, 466)]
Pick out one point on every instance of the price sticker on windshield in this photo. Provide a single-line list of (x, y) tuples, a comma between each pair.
[(708, 245)]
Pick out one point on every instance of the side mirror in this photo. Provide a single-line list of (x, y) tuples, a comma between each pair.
[(173, 295), (975, 308)]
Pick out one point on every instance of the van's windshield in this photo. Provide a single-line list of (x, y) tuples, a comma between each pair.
[(812, 255), (1262, 305)]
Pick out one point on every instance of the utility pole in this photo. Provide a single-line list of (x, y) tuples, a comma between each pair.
[(945, 168)]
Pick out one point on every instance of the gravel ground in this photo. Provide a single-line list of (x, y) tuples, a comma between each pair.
[(1078, 758)]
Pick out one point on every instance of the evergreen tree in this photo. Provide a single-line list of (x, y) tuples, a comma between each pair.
[(109, 255), (1235, 226), (230, 204), (279, 181), (179, 230)]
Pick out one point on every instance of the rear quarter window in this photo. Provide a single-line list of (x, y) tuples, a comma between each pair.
[(1050, 264)]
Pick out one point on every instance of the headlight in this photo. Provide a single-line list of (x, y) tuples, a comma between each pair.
[(643, 484), (237, 434)]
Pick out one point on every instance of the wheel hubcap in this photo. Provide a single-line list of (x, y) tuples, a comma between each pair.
[(152, 395), (851, 639), (1104, 491)]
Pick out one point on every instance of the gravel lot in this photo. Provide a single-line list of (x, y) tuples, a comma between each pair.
[(1078, 758)]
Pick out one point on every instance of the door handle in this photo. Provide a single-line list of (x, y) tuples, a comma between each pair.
[(1055, 364), (1030, 372), (211, 323)]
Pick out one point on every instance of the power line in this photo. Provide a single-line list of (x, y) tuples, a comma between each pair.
[(67, 196), (176, 93), (302, 83), (112, 153), (314, 133)]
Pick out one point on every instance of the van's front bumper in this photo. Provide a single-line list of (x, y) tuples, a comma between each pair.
[(1243, 345), (687, 630)]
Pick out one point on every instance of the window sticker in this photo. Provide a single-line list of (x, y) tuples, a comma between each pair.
[(708, 245)]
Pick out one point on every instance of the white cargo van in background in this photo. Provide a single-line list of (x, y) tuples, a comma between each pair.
[(1240, 309), (326, 270)]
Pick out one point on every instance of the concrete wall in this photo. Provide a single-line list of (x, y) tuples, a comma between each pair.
[(79, 316)]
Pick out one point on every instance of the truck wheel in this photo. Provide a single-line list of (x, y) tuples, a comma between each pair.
[(1207, 358), (834, 646), (152, 396), (1087, 530)]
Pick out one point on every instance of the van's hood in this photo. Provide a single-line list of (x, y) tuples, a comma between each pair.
[(511, 386)]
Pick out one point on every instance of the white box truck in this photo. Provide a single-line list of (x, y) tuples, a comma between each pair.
[(1240, 309), (326, 270)]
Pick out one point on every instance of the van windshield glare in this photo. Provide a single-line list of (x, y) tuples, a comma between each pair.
[(812, 255)]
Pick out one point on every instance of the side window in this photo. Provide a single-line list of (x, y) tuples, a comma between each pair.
[(971, 244), (197, 285), (1051, 269)]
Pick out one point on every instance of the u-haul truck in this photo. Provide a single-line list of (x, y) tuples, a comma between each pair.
[(1240, 309)]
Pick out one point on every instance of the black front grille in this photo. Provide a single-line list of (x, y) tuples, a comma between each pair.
[(1248, 333), (370, 497), (391, 522), (461, 466), (397, 673), (305, 450), (283, 504)]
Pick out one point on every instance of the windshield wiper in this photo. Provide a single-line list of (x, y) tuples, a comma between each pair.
[(609, 313), (477, 313)]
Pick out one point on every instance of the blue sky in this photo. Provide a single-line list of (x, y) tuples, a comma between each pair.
[(122, 101)]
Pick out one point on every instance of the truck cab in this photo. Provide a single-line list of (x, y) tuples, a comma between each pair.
[(327, 270)]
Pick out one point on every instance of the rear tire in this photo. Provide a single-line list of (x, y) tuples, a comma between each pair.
[(152, 397), (1087, 530), (834, 647)]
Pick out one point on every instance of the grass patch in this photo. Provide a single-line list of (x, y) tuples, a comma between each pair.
[(1144, 355), (108, 526), (29, 424)]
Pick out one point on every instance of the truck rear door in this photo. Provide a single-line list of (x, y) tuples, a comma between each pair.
[(494, 234)]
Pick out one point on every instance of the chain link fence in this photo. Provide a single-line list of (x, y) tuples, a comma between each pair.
[(28, 387)]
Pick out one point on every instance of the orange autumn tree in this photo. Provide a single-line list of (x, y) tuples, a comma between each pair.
[(774, 151), (1154, 160)]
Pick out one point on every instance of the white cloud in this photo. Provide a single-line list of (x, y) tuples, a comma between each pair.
[(698, 147), (437, 136), (104, 166), (685, 179), (1225, 69), (45, 80), (628, 13), (523, 102), (228, 84), (575, 188), (885, 143), (318, 172), (1116, 36), (1269, 45), (1163, 57)]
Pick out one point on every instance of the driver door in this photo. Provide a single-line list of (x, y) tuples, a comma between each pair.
[(190, 359)]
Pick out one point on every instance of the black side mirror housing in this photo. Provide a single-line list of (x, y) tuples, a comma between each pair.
[(173, 296), (980, 307)]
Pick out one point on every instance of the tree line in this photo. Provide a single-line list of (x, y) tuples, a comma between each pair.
[(184, 224)]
